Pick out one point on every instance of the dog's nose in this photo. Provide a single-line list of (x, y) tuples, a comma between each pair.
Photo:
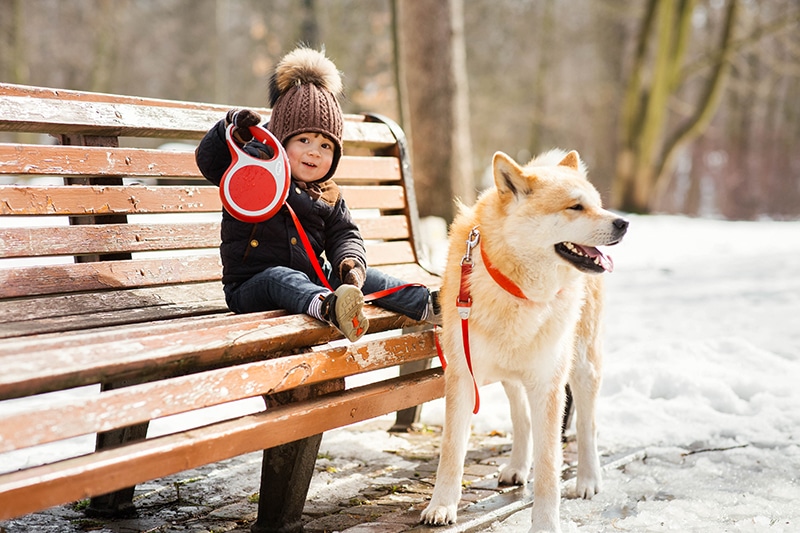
[(621, 225)]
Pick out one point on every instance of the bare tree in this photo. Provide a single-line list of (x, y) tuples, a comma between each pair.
[(646, 147)]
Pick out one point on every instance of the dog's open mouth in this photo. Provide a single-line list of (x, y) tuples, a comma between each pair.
[(586, 258)]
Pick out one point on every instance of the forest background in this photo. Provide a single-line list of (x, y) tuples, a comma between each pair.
[(677, 106)]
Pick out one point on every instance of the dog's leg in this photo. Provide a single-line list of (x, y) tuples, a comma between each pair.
[(518, 470), (459, 400), (585, 385), (547, 406), (585, 381)]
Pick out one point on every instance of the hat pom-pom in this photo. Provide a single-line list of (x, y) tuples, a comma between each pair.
[(304, 66)]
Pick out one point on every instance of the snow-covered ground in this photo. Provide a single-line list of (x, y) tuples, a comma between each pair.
[(702, 372)]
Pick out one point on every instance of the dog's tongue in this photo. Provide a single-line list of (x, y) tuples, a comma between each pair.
[(605, 261)]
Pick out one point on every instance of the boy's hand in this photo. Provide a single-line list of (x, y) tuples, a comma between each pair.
[(352, 272), (242, 119)]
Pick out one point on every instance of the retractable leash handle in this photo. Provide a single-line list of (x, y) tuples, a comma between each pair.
[(254, 189)]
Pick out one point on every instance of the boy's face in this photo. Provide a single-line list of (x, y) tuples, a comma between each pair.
[(310, 156)]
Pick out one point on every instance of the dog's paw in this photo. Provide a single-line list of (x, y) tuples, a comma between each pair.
[(513, 476), (439, 515), (587, 486)]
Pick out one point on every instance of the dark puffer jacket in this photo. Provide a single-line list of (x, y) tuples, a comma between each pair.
[(247, 249)]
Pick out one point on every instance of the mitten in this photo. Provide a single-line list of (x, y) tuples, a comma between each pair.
[(242, 119), (352, 272), (259, 150)]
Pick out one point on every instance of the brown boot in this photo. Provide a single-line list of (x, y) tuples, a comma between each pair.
[(343, 309)]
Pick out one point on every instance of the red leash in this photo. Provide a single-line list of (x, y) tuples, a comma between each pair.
[(464, 306), (312, 257)]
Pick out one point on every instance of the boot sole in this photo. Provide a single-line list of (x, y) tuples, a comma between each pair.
[(349, 312)]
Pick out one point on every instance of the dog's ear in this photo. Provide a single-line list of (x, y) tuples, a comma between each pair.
[(571, 160), (508, 176)]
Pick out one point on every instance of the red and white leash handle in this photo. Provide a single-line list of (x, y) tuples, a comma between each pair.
[(254, 189)]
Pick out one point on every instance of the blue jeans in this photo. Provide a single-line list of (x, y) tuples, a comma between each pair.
[(284, 288)]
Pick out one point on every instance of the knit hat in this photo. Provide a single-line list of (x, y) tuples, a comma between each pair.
[(303, 93)]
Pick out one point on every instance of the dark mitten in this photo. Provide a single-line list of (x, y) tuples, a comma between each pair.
[(259, 150), (242, 119), (352, 272)]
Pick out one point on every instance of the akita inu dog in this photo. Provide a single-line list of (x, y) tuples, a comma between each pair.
[(523, 290)]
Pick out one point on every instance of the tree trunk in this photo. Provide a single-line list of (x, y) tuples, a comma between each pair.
[(434, 71)]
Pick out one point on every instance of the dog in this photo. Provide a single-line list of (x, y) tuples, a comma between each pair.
[(532, 296)]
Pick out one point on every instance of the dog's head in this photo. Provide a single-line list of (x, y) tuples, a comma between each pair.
[(550, 202)]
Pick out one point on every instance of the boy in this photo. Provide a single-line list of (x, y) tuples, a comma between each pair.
[(265, 266)]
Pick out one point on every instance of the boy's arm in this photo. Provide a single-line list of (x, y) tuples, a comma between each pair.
[(213, 156), (345, 247)]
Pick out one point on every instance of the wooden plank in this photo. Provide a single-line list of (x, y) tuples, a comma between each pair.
[(104, 275), (91, 334), (117, 408), (118, 238), (107, 238), (33, 160), (387, 253), (32, 365), (87, 200), (115, 317), (354, 169), (29, 91), (377, 197), (107, 200), (72, 161), (73, 306), (384, 227), (72, 112), (106, 471), (113, 119)]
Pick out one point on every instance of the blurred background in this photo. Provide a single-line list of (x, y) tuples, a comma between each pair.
[(676, 106)]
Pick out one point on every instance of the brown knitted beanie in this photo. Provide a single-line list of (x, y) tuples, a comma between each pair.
[(303, 94)]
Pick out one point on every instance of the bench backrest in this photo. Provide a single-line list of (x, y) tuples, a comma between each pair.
[(95, 195)]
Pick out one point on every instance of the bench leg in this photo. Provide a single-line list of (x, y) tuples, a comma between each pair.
[(405, 418), (286, 470), (119, 503)]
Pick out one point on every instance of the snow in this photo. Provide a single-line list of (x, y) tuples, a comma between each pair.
[(702, 380), (702, 374)]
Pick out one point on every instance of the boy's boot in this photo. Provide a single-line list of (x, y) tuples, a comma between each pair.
[(343, 310), (433, 314)]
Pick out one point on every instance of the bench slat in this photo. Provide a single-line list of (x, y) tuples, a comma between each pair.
[(106, 238), (106, 200), (120, 238), (91, 114), (103, 275), (94, 310), (106, 471), (32, 365), (19, 113), (43, 160), (92, 200), (127, 406), (41, 280), (69, 312)]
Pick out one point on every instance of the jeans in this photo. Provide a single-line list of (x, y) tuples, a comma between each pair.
[(284, 288)]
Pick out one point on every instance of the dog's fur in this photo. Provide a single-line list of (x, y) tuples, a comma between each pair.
[(534, 346)]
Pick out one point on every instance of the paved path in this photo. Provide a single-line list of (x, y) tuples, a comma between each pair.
[(367, 497)]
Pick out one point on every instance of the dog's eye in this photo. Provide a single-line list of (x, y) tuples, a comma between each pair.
[(576, 207)]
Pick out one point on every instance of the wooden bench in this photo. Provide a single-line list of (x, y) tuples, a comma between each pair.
[(112, 312)]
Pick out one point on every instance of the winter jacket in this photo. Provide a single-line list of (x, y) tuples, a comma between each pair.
[(247, 248)]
